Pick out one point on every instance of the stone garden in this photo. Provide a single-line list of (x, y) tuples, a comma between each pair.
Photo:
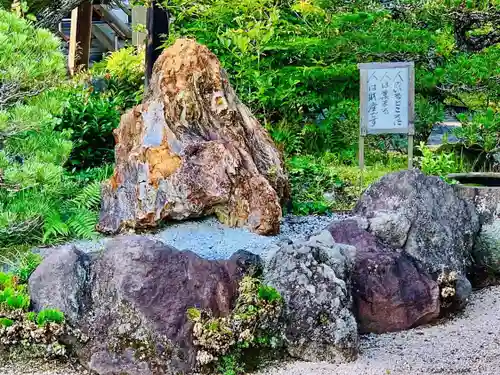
[(200, 268), (135, 305)]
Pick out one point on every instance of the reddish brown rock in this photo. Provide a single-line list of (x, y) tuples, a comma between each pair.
[(131, 301), (193, 149), (390, 291)]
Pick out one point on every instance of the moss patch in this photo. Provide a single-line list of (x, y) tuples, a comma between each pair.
[(246, 338)]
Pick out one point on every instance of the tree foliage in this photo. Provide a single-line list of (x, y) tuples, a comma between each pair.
[(30, 59), (295, 61)]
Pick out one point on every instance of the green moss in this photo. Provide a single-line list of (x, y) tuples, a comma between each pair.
[(194, 314), (49, 316), (6, 322), (268, 293)]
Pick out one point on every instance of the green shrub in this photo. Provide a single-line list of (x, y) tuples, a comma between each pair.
[(13, 296), (93, 108), (295, 62), (4, 322), (91, 118), (482, 129), (331, 183), (23, 265), (439, 163), (123, 71), (49, 316), (31, 316)]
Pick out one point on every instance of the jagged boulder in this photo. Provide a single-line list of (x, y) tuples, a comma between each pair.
[(424, 216), (486, 255), (314, 278), (193, 149), (133, 299), (390, 292)]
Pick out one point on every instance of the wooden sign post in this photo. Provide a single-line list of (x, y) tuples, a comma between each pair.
[(387, 102)]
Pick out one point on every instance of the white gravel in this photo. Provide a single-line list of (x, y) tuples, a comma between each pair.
[(467, 344), (41, 368), (212, 240)]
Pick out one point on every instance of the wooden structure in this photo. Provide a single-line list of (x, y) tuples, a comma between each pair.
[(95, 29), (155, 21), (158, 28), (81, 36)]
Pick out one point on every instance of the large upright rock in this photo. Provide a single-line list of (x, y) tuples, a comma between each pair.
[(423, 216), (314, 278), (193, 149)]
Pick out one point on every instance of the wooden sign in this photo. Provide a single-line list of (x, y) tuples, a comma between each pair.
[(387, 102)]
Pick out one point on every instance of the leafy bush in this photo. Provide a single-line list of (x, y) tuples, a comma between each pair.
[(93, 108), (480, 132), (13, 296), (124, 73), (294, 62), (439, 163), (4, 322), (40, 201), (23, 265), (91, 118)]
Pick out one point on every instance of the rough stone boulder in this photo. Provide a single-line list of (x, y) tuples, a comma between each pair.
[(486, 268), (485, 199), (193, 149), (313, 277), (425, 218), (390, 291), (131, 302), (487, 249)]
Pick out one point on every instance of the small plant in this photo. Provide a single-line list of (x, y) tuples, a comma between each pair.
[(17, 301), (268, 294), (438, 164), (31, 316), (4, 322), (193, 314), (26, 264), (227, 345), (49, 316)]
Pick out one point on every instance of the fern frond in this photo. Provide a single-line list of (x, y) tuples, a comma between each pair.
[(54, 226), (90, 197), (82, 223)]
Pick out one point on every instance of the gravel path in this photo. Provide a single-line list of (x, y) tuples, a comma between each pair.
[(467, 344)]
